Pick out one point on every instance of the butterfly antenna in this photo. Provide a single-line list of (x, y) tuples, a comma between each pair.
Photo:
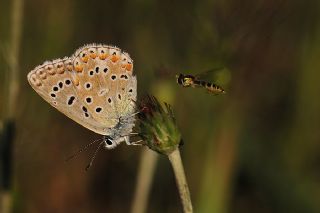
[(82, 149), (94, 155)]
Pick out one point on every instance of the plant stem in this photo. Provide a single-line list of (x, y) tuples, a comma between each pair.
[(14, 52), (5, 204), (10, 110), (176, 162), (147, 167)]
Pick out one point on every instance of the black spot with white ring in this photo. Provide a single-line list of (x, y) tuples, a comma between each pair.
[(67, 82), (84, 109), (98, 109), (89, 100), (55, 88), (124, 77), (113, 77), (71, 100), (87, 85)]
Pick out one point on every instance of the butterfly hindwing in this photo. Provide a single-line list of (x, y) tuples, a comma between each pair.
[(88, 87)]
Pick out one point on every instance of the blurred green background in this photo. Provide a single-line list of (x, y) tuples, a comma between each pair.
[(255, 149)]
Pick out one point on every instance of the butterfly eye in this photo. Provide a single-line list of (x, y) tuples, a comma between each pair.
[(109, 143)]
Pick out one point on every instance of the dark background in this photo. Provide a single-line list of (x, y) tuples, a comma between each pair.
[(255, 149)]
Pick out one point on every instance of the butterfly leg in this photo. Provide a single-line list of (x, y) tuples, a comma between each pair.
[(138, 143), (133, 114), (127, 140)]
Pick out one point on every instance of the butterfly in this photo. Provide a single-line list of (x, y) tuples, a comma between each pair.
[(95, 87)]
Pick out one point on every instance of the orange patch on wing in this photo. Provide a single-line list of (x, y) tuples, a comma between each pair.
[(42, 74), (93, 55), (60, 68), (85, 59), (129, 67), (78, 68), (115, 58), (69, 67), (103, 56), (51, 71), (75, 81), (35, 81)]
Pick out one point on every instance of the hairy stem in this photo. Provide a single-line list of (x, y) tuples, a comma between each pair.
[(176, 162)]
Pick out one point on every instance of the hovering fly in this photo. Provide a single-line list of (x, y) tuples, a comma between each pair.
[(194, 81)]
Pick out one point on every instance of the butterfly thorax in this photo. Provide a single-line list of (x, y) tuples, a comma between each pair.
[(119, 132)]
